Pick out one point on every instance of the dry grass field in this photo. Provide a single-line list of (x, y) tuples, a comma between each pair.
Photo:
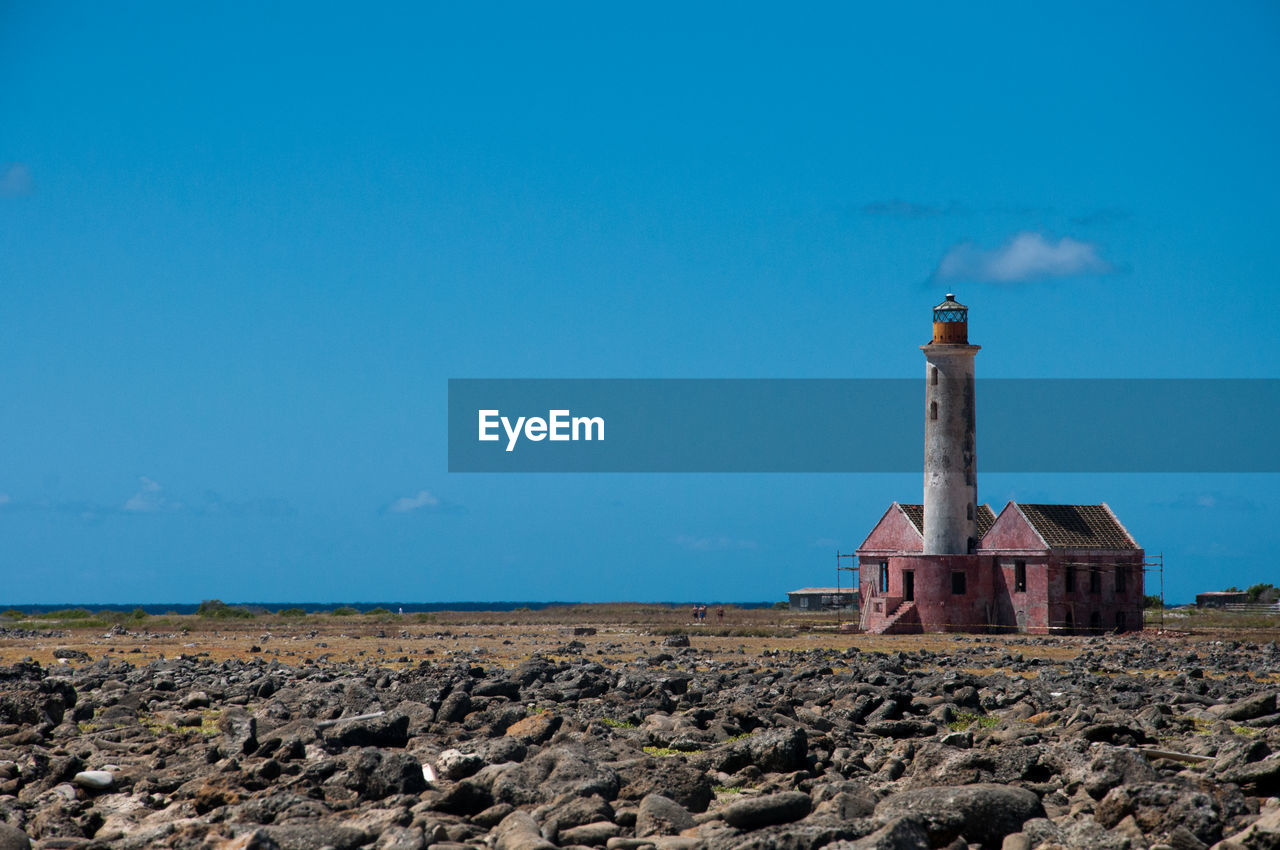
[(622, 633)]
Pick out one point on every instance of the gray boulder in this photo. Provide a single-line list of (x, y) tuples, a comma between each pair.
[(389, 730), (377, 774), (12, 838), (755, 812), (905, 833), (984, 813), (660, 815), (519, 831)]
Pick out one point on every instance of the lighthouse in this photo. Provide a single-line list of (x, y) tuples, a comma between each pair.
[(950, 450)]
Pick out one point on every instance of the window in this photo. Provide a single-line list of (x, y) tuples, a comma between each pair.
[(1071, 579), (933, 375), (1120, 621), (804, 602), (1095, 580), (1121, 579), (1020, 576), (968, 510), (884, 576), (933, 410), (957, 584)]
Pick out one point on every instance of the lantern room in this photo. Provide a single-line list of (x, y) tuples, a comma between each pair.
[(950, 322)]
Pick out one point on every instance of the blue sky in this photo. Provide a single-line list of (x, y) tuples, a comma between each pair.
[(243, 249)]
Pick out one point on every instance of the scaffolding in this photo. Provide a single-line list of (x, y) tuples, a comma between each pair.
[(853, 571)]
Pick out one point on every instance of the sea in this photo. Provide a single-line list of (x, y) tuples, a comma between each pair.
[(320, 607)]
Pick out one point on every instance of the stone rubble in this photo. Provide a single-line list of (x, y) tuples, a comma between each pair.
[(1132, 745)]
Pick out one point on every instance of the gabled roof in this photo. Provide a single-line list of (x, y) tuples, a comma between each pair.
[(915, 513), (894, 532), (1077, 526)]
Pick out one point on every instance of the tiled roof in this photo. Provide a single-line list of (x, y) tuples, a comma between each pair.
[(915, 513), (824, 590), (1078, 526)]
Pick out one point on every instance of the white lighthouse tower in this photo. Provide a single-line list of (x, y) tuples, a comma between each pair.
[(950, 451)]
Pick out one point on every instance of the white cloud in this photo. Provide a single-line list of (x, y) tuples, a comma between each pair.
[(15, 179), (1026, 257), (1213, 501), (408, 504), (148, 498), (712, 544)]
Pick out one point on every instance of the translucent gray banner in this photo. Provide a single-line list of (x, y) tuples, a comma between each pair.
[(864, 425)]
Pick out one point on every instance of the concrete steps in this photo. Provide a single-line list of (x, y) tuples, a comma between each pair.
[(903, 621)]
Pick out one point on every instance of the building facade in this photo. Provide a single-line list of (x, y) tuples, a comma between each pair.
[(951, 564)]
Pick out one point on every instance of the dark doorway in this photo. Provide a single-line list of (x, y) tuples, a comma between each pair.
[(908, 585), (1071, 622)]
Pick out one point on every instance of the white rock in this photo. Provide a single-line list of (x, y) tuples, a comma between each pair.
[(455, 764), (97, 780)]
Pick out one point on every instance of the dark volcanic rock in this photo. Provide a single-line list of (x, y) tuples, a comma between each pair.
[(316, 836), (1250, 707), (1159, 808), (12, 838), (554, 772), (824, 747), (239, 729), (905, 833), (755, 812), (381, 773), (389, 730), (984, 813), (660, 815), (688, 786)]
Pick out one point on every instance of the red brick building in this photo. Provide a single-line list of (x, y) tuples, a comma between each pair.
[(1037, 568), (953, 565)]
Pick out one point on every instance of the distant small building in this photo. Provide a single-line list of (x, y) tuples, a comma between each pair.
[(822, 598), (1218, 598)]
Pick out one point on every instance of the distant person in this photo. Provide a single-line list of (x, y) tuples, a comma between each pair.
[(720, 615), (695, 612)]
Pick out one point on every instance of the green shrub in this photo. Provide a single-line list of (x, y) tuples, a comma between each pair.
[(617, 724), (293, 612), (66, 614), (219, 610), (965, 719), (344, 611), (1266, 593)]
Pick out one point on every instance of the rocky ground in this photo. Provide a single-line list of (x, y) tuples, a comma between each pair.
[(641, 741)]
